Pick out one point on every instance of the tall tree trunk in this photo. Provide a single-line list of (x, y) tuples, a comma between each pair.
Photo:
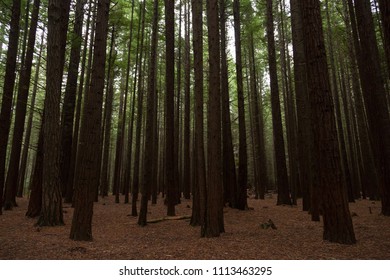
[(187, 107), (241, 199), (258, 130), (229, 166), (70, 96), (303, 110), (83, 86), (169, 101), (149, 137), (137, 147), (8, 90), (375, 100), (88, 164), (58, 17), (199, 194), (26, 146), (384, 7), (280, 156), (213, 221), (107, 119), (127, 164), (337, 219), (11, 184)]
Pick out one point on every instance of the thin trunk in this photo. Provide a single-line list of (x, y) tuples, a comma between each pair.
[(169, 101), (199, 193), (11, 184), (241, 195)]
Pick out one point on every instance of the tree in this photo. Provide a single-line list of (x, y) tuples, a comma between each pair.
[(85, 180), (67, 118), (280, 157), (213, 220), (241, 202), (229, 166), (9, 84), (199, 191), (11, 184), (148, 164), (58, 17), (336, 216), (375, 99), (169, 101)]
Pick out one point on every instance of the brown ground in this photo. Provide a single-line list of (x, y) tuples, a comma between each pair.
[(117, 236)]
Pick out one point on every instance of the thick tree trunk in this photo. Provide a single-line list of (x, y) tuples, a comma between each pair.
[(337, 218), (88, 164), (58, 17), (213, 221)]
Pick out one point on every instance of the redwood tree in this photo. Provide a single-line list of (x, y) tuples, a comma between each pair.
[(336, 216), (85, 179)]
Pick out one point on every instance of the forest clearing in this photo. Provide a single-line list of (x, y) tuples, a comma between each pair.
[(117, 235)]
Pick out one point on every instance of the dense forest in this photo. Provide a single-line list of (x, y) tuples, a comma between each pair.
[(211, 101)]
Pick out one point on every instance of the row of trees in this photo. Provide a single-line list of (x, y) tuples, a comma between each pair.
[(299, 105)]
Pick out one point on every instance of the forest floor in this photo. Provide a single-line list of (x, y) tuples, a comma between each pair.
[(117, 235)]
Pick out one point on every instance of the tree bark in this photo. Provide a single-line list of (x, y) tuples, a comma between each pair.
[(336, 216), (280, 156), (88, 164), (8, 89), (11, 184)]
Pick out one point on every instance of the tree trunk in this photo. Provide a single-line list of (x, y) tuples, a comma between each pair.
[(137, 147), (213, 221), (70, 96), (280, 156), (169, 101), (8, 89), (11, 184), (199, 194), (83, 86), (26, 146), (229, 166), (58, 17), (337, 218), (88, 164), (241, 199)]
